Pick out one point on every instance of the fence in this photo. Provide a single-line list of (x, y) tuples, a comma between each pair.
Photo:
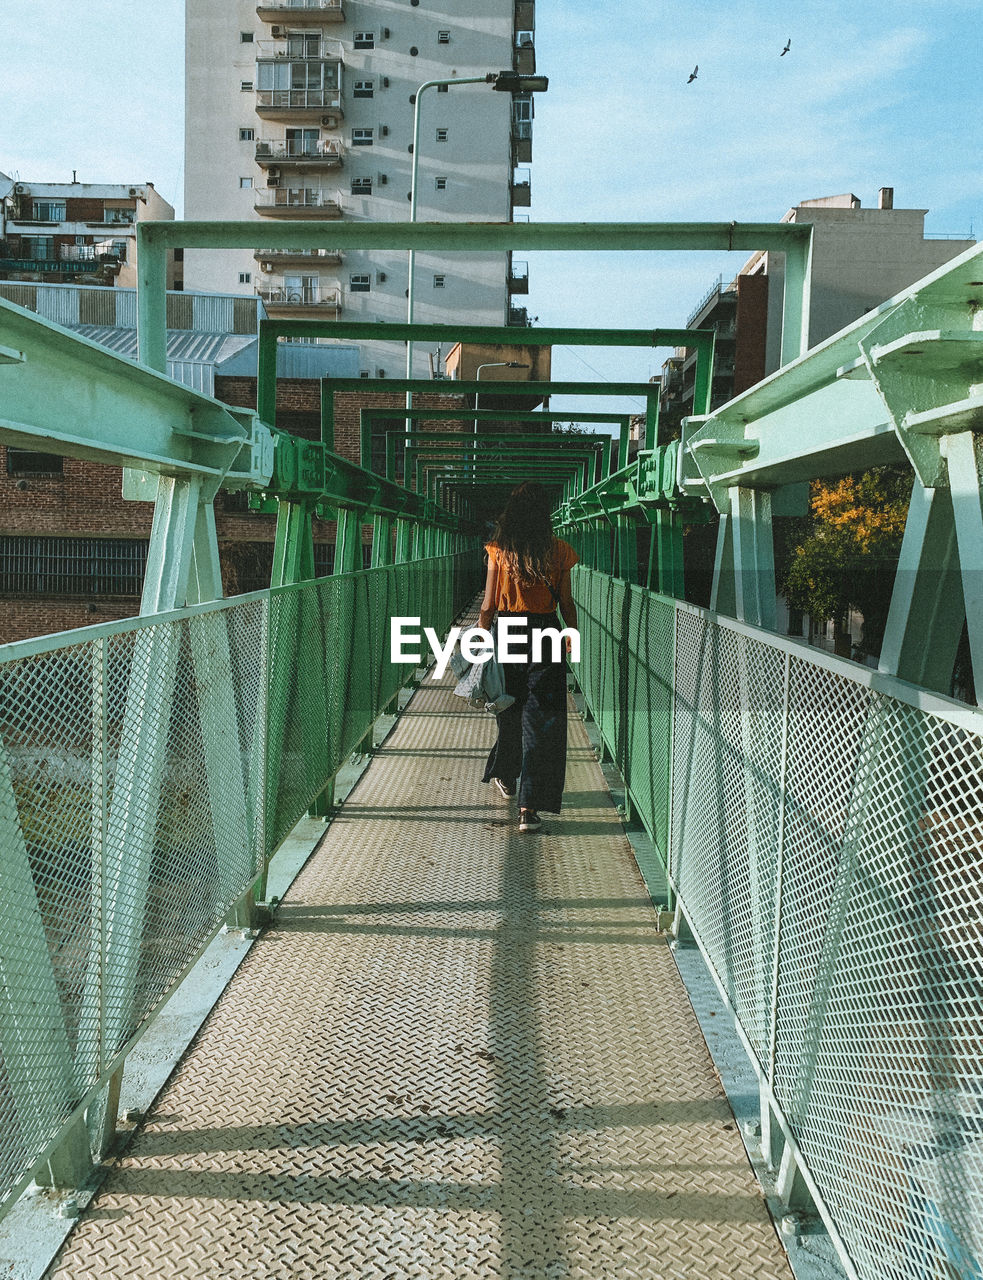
[(822, 827), (149, 770)]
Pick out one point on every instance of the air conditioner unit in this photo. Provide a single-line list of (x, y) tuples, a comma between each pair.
[(278, 31), (385, 33), (380, 373), (385, 82), (383, 178), (272, 180), (380, 277), (268, 266), (328, 122), (20, 189), (273, 171), (383, 131)]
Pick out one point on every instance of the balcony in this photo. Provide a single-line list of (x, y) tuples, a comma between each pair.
[(300, 48), (299, 257), (522, 141), (518, 278), (525, 15), (521, 190), (301, 13), (524, 54), (316, 106), (284, 302), (320, 154), (519, 318), (298, 204)]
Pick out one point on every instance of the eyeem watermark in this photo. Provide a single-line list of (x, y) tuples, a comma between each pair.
[(477, 645)]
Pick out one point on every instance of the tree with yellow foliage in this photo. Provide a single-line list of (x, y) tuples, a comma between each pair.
[(845, 554)]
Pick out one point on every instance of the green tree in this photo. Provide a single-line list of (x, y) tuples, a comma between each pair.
[(845, 554)]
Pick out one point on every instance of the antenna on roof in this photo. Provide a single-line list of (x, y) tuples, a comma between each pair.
[(74, 176)]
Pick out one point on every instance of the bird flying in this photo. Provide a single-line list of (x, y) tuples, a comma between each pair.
[(692, 76), (786, 49)]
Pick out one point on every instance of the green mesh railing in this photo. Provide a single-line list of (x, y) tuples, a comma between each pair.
[(821, 827), (149, 770)]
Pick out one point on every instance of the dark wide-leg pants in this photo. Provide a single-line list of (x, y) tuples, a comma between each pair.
[(532, 734)]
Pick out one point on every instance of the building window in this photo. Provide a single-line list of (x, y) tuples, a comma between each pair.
[(245, 277), (246, 86), (441, 135), (443, 37), (362, 89), (245, 37), (247, 135), (72, 566), (363, 373), (361, 137), (49, 211), (25, 462), (361, 186), (38, 248), (360, 284), (364, 40), (440, 184), (438, 282), (245, 183)]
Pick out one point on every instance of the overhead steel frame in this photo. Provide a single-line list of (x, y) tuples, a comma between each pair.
[(155, 238), (904, 383), (423, 534)]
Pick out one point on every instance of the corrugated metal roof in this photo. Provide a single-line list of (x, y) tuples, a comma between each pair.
[(185, 345), (295, 360)]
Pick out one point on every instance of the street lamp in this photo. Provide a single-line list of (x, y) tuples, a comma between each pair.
[(491, 364), (503, 82)]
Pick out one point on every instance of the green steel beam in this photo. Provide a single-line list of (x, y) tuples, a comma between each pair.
[(452, 386), (86, 402), (790, 238)]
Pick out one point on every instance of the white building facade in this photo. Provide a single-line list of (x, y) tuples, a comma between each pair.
[(304, 109)]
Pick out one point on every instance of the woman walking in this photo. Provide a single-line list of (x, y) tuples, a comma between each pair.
[(529, 577)]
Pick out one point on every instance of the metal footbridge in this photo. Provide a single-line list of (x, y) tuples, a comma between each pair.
[(450, 1049)]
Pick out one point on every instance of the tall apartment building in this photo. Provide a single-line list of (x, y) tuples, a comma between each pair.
[(62, 232), (304, 109)]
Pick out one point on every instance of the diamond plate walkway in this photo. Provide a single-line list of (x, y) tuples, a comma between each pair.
[(459, 1052)]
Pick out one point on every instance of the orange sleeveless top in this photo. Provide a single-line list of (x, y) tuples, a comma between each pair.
[(518, 597)]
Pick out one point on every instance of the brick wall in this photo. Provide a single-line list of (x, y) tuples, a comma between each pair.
[(79, 210), (752, 331), (85, 500), (22, 619)]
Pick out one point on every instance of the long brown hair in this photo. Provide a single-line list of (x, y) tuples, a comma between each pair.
[(524, 534)]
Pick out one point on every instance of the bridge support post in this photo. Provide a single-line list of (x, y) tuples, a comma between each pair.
[(744, 565), (927, 610)]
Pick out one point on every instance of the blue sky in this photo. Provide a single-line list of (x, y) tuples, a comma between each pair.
[(872, 93)]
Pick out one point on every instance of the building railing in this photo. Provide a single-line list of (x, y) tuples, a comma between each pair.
[(298, 99), (301, 49), (308, 296), (148, 771), (319, 149), (715, 288), (286, 6), (820, 826), (332, 256), (287, 198)]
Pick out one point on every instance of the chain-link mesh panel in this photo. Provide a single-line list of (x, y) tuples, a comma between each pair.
[(124, 840), (330, 669), (826, 843), (145, 778), (648, 668), (847, 825)]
